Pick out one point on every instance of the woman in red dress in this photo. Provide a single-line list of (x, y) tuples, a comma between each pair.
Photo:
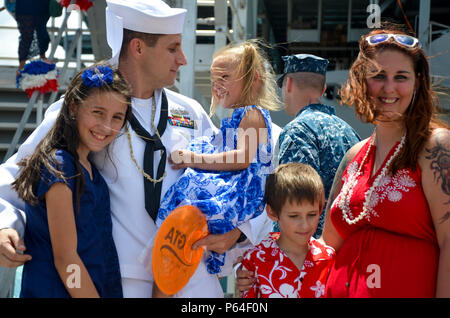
[(388, 219)]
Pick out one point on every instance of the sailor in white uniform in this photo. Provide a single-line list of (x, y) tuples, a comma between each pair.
[(135, 166)]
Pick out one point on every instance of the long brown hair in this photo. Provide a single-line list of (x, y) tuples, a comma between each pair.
[(64, 135), (419, 119)]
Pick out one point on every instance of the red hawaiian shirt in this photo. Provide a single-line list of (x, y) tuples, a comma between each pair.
[(278, 277)]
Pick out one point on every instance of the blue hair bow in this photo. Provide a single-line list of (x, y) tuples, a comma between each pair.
[(97, 76)]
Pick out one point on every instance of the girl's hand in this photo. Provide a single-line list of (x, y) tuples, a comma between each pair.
[(180, 159)]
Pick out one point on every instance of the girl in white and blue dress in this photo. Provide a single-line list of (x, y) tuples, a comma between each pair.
[(225, 174)]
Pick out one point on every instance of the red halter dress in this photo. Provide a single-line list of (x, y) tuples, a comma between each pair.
[(392, 251)]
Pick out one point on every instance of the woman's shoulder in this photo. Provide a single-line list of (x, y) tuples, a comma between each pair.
[(438, 137), (436, 146), (353, 151)]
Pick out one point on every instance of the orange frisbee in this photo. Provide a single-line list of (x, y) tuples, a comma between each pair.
[(173, 259)]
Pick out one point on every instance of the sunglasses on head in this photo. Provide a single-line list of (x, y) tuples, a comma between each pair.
[(402, 39)]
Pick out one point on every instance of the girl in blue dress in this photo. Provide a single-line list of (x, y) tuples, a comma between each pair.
[(69, 228), (225, 174)]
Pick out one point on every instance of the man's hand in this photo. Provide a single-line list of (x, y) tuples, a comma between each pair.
[(219, 243), (244, 278), (10, 244)]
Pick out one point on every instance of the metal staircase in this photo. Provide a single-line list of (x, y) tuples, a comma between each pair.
[(12, 105)]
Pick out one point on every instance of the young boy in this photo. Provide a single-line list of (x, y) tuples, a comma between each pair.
[(291, 263)]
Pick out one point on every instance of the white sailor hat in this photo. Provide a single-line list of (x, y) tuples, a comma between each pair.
[(147, 16)]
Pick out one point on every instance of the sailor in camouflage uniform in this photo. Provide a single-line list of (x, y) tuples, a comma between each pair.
[(316, 136)]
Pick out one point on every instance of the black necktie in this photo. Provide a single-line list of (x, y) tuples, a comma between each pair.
[(153, 143)]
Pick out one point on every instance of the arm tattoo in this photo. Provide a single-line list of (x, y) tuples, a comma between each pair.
[(445, 217), (440, 165)]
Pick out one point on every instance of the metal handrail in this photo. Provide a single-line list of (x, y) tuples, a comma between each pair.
[(440, 24), (23, 121), (49, 29), (54, 44), (34, 97), (238, 22), (446, 28), (62, 75)]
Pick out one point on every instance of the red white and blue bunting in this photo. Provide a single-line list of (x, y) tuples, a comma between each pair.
[(38, 76)]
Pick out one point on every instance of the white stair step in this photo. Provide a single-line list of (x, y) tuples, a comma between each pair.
[(205, 3), (13, 126), (5, 146), (16, 106)]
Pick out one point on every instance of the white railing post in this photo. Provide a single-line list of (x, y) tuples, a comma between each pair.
[(239, 11), (424, 24), (221, 24), (187, 72), (80, 40)]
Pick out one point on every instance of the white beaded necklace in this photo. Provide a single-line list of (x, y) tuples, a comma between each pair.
[(345, 198)]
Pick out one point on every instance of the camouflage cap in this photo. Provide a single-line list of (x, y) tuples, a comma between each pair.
[(303, 63)]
